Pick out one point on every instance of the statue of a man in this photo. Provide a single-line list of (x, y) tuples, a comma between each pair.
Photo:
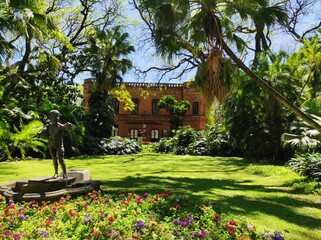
[(54, 132)]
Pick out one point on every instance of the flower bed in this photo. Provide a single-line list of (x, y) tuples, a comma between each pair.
[(131, 216)]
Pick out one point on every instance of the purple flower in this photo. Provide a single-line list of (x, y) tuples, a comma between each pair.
[(201, 234), (184, 224), (139, 224), (145, 195), (7, 232), (86, 221), (21, 208), (277, 236), (176, 221), (44, 234), (141, 232), (11, 201), (191, 219)]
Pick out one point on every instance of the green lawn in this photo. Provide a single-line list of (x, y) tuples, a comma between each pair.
[(259, 193)]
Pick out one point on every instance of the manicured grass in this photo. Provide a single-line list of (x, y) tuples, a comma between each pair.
[(258, 192)]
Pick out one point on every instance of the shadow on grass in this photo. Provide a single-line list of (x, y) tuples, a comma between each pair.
[(282, 207)]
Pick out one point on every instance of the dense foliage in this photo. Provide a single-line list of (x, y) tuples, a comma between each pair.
[(186, 140), (308, 165), (131, 216), (111, 146)]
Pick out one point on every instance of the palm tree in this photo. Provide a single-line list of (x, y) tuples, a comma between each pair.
[(196, 27), (105, 57), (307, 62)]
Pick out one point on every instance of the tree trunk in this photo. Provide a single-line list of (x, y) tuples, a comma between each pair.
[(270, 90)]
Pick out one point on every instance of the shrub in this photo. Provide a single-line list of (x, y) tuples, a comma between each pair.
[(111, 146), (308, 165), (198, 147), (217, 141), (186, 140), (165, 145)]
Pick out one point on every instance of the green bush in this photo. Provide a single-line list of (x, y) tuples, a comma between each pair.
[(308, 165), (186, 140), (217, 142), (165, 145), (111, 146)]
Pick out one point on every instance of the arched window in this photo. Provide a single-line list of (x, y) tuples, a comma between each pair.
[(154, 136), (133, 133)]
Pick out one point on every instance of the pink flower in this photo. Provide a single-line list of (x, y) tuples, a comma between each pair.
[(7, 232), (48, 222), (16, 236)]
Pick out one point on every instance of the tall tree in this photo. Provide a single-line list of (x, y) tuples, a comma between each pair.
[(193, 29)]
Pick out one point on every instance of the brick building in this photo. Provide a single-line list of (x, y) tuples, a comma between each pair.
[(146, 116)]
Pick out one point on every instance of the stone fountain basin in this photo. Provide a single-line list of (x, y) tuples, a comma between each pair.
[(47, 188)]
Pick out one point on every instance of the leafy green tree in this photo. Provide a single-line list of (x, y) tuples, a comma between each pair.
[(176, 110)]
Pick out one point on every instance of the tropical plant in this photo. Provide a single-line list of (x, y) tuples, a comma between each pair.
[(308, 165), (25, 140), (303, 138)]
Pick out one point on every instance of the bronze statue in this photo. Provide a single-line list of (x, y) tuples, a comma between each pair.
[(54, 132)]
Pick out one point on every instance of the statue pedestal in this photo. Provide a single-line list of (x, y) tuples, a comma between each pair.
[(43, 189)]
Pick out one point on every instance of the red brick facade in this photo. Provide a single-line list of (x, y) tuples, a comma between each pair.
[(147, 117)]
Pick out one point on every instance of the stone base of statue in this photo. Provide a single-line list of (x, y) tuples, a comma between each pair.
[(78, 182)]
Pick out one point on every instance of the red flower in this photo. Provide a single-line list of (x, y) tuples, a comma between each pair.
[(231, 230), (232, 222), (71, 212), (216, 217), (111, 219)]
